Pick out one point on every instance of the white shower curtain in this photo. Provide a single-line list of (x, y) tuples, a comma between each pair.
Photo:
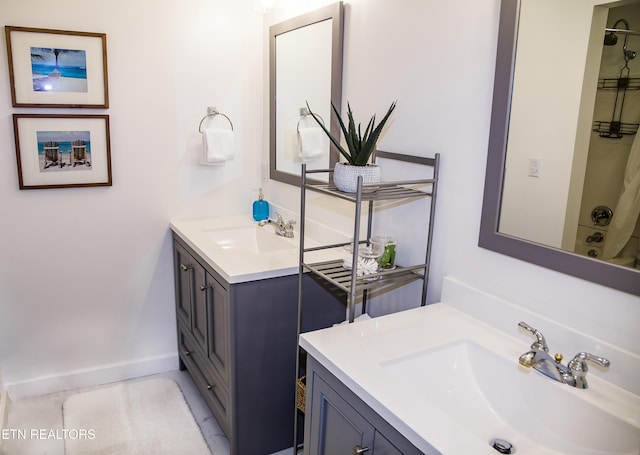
[(627, 211)]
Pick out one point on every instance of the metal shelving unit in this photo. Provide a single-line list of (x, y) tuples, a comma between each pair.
[(347, 280), (343, 278)]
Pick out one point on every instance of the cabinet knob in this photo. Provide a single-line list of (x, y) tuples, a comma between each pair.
[(357, 450), (209, 387), (184, 267), (187, 352), (203, 287)]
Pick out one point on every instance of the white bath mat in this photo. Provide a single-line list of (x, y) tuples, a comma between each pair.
[(133, 418)]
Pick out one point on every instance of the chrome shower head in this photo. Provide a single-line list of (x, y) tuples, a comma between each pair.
[(611, 37)]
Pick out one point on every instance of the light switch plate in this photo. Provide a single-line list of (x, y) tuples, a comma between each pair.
[(534, 167)]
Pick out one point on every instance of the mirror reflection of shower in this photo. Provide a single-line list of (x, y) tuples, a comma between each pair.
[(612, 177), (611, 37)]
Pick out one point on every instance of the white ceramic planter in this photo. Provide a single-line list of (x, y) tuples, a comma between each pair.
[(345, 176)]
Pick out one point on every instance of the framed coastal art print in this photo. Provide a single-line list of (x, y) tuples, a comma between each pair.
[(57, 68), (62, 151)]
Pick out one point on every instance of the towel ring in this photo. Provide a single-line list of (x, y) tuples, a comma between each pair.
[(213, 113), (304, 112)]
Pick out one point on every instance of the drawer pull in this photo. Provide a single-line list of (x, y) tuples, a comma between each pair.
[(357, 450), (185, 267)]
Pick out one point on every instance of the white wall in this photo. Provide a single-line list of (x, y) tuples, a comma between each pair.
[(436, 58), (104, 298)]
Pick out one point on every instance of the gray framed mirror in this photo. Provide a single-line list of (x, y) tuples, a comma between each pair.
[(588, 23), (305, 65)]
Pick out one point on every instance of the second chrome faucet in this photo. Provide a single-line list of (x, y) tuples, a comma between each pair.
[(573, 374), (283, 229)]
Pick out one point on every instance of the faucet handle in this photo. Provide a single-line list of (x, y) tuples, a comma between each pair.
[(577, 369), (540, 342), (578, 363)]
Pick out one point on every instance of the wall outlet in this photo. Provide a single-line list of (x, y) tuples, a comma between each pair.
[(534, 167)]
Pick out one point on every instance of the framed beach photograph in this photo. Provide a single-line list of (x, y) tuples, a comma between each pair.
[(57, 68), (62, 151)]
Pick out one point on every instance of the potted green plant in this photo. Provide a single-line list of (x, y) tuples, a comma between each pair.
[(359, 149)]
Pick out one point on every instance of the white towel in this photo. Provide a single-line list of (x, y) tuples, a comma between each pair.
[(314, 143), (217, 145), (625, 215), (291, 146)]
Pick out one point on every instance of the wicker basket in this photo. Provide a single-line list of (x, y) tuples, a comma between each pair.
[(301, 390)]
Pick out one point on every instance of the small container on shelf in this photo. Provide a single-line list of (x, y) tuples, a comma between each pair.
[(387, 259), (347, 256), (368, 257)]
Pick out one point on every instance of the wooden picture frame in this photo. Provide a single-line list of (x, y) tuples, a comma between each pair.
[(62, 151), (57, 68)]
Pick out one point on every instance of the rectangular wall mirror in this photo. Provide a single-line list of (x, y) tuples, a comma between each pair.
[(550, 163), (305, 66)]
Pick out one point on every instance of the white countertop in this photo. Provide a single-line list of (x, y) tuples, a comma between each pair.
[(234, 266), (356, 353), (242, 265)]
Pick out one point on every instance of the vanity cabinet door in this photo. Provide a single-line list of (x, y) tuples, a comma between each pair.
[(200, 310), (183, 263), (338, 422), (336, 427), (218, 324)]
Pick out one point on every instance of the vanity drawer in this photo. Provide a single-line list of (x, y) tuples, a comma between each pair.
[(211, 387)]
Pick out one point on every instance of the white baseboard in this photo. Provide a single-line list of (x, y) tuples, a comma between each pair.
[(103, 374)]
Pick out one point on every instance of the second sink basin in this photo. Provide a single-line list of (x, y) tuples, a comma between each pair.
[(496, 398)]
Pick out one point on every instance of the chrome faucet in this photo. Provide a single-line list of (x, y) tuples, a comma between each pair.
[(573, 374), (283, 229)]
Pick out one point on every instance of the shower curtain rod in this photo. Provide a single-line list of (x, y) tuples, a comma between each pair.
[(622, 30)]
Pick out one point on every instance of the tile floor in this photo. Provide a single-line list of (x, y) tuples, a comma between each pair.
[(45, 412)]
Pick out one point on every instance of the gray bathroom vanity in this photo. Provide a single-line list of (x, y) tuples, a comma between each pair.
[(237, 339)]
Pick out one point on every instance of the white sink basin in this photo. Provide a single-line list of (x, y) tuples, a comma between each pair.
[(252, 239), (494, 397)]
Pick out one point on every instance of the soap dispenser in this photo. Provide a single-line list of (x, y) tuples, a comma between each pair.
[(260, 207)]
